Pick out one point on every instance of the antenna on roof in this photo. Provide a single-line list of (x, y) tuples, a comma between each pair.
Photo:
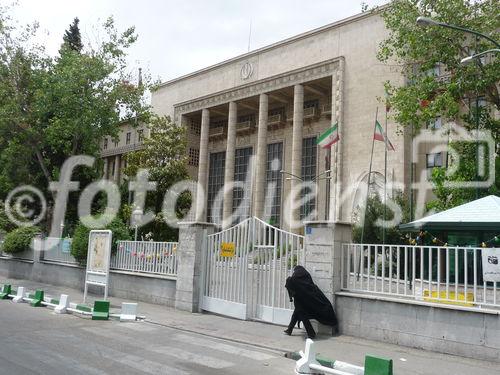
[(250, 35)]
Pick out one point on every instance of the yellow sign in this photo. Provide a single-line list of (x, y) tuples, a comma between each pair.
[(450, 299), (227, 249)]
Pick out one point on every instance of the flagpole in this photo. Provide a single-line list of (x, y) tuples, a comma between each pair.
[(367, 190), (385, 178)]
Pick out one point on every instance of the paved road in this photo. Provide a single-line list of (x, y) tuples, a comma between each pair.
[(37, 341)]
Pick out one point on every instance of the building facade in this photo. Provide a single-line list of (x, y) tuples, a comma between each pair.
[(260, 115)]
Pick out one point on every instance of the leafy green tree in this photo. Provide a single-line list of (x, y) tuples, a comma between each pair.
[(376, 210), (164, 156), (52, 108), (438, 84), (19, 239)]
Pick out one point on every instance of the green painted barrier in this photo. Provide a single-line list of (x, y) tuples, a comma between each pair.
[(101, 310), (378, 366), (6, 290), (37, 299), (83, 308)]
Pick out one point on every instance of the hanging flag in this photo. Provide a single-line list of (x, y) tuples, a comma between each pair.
[(379, 135), (329, 138)]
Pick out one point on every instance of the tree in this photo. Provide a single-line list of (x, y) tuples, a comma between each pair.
[(52, 108), (72, 38), (451, 94), (164, 156)]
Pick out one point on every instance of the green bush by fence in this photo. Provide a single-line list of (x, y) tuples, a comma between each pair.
[(19, 239)]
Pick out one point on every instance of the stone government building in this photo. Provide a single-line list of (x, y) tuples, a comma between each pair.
[(272, 103)]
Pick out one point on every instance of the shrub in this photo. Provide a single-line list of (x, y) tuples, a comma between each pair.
[(79, 245), (19, 239)]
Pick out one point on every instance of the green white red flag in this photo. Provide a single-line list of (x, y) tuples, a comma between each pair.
[(380, 135), (330, 137)]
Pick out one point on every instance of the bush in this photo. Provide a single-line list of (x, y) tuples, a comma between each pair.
[(19, 239), (80, 243)]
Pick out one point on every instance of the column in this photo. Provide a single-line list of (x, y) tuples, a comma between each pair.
[(201, 200), (229, 173), (116, 177), (106, 167), (260, 175), (298, 122)]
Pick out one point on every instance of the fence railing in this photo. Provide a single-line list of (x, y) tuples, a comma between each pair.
[(449, 275), (57, 250), (146, 257)]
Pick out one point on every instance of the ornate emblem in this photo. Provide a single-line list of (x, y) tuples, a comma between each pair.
[(246, 70)]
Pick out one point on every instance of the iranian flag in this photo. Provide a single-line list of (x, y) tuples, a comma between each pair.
[(379, 135), (330, 137)]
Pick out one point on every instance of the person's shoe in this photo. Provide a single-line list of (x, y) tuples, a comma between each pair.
[(287, 332)]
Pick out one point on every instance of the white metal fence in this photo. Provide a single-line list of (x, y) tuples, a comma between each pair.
[(146, 257), (449, 275), (57, 250)]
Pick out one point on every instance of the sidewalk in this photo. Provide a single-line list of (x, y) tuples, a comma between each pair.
[(407, 361)]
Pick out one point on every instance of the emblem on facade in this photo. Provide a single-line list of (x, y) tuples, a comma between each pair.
[(246, 70)]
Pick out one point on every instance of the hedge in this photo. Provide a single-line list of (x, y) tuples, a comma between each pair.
[(19, 239)]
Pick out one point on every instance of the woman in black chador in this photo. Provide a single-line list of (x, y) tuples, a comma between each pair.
[(309, 301)]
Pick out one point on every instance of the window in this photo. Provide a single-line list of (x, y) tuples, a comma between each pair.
[(241, 196), (194, 157), (309, 156), (277, 111), (117, 142), (105, 146), (216, 171), (127, 141), (195, 127), (272, 207), (140, 135), (435, 124), (434, 160), (113, 168), (218, 124), (247, 118), (311, 104)]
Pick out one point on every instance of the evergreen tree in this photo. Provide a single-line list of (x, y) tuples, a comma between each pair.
[(72, 37)]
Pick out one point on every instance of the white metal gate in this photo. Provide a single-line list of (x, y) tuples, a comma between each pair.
[(251, 284)]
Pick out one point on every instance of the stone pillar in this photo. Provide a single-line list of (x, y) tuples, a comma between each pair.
[(201, 201), (106, 167), (229, 173), (298, 122), (192, 237), (116, 176), (260, 175), (323, 255)]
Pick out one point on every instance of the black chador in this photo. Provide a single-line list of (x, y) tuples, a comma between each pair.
[(309, 301)]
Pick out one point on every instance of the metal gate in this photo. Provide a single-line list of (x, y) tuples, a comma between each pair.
[(247, 281)]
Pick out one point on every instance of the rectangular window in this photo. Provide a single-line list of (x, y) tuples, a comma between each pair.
[(272, 207), (105, 146), (216, 171), (140, 135), (434, 160), (309, 159), (127, 141), (435, 124), (195, 127), (247, 118), (241, 196), (311, 104), (117, 142), (194, 157)]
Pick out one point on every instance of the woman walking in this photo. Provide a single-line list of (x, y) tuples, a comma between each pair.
[(309, 302)]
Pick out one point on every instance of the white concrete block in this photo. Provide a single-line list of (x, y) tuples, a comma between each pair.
[(19, 296), (63, 305), (129, 312)]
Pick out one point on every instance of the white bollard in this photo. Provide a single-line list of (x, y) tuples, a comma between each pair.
[(309, 358), (19, 296), (63, 305), (129, 312)]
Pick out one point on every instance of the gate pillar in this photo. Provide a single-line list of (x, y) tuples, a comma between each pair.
[(192, 238), (323, 254)]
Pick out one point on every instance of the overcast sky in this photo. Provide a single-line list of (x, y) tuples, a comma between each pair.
[(178, 37)]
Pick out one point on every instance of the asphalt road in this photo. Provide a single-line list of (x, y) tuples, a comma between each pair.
[(37, 341)]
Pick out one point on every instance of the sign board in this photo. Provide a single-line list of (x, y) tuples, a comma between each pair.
[(491, 264), (66, 246), (227, 249), (98, 259)]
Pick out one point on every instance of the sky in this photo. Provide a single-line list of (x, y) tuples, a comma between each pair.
[(178, 37)]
